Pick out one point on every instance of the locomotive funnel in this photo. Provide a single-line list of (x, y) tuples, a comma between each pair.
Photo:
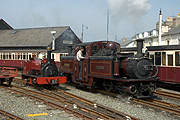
[(49, 54), (139, 47)]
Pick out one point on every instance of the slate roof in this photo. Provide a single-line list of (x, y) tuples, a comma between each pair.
[(30, 36), (4, 25)]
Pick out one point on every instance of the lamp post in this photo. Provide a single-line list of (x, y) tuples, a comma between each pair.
[(53, 42), (82, 34)]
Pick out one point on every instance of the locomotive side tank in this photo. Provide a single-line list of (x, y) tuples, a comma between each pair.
[(104, 67), (42, 72)]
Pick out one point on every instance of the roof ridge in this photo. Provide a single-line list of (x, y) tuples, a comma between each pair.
[(42, 27)]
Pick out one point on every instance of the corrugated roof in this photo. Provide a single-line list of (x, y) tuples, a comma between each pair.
[(30, 36)]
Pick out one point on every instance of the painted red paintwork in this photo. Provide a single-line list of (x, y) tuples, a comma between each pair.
[(12, 63), (47, 80), (169, 74), (8, 72)]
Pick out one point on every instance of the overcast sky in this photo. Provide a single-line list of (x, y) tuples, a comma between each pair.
[(127, 17)]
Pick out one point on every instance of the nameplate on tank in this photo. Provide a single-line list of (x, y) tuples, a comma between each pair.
[(99, 67), (66, 65)]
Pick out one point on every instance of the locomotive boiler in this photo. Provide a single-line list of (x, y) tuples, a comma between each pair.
[(42, 72), (105, 67)]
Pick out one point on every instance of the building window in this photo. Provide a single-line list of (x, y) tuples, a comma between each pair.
[(157, 58), (163, 58), (170, 60)]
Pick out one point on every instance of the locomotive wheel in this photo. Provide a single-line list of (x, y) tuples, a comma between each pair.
[(108, 86)]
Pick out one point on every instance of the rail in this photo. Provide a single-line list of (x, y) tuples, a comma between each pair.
[(167, 94), (172, 108), (13, 117), (70, 106)]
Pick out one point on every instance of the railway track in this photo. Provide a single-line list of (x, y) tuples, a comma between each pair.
[(157, 104), (77, 106), (172, 108), (167, 94), (89, 104), (10, 116)]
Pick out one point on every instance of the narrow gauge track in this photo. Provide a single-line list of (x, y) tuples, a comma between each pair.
[(9, 115), (79, 101), (172, 108), (167, 94), (78, 109)]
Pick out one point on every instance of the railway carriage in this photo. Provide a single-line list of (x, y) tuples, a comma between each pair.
[(104, 67), (167, 58)]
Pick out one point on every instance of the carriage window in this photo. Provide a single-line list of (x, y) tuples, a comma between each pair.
[(4, 56), (10, 56), (157, 58), (24, 56), (163, 58), (177, 58), (30, 56), (13, 56), (170, 60), (152, 57)]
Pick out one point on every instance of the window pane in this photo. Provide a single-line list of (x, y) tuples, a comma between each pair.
[(170, 60), (163, 58), (177, 58), (157, 58)]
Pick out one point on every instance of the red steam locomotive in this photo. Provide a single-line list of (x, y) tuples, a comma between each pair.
[(42, 72), (104, 67)]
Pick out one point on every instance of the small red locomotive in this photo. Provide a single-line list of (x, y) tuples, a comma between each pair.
[(42, 72), (104, 67), (7, 74)]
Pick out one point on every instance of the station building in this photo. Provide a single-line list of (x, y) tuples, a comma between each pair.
[(23, 44)]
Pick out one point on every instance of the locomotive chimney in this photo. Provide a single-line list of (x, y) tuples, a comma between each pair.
[(139, 47), (49, 54)]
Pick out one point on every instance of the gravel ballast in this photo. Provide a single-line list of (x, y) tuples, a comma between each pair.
[(123, 104), (22, 106)]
